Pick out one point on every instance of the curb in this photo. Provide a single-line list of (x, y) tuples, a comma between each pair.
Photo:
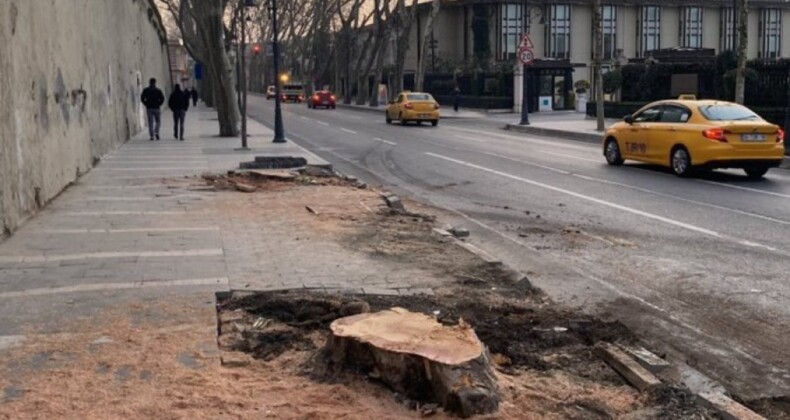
[(570, 135)]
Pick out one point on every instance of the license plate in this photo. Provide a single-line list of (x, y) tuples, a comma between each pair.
[(325, 102), (753, 137), (425, 115)]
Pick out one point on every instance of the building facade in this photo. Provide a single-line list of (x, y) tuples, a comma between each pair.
[(562, 33)]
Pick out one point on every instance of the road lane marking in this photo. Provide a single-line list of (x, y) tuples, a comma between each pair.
[(303, 117), (600, 161), (348, 131), (22, 259), (674, 197), (99, 287), (137, 230), (738, 187), (558, 143), (582, 196), (322, 123), (391, 143)]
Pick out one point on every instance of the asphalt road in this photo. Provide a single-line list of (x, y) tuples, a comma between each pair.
[(699, 267)]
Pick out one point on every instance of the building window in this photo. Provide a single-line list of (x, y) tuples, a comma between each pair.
[(609, 27), (510, 30), (770, 33), (691, 27), (559, 31), (727, 29), (649, 29)]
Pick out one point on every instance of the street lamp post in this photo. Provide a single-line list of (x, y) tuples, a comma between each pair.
[(279, 130), (524, 78), (243, 82)]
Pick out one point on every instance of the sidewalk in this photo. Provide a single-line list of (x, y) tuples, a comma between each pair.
[(568, 125), (107, 296)]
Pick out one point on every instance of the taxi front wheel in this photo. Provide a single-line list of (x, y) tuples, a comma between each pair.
[(612, 153)]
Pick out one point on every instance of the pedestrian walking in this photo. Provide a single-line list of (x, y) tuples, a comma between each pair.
[(194, 96), (153, 98), (456, 98), (179, 104)]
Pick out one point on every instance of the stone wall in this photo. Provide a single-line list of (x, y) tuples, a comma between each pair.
[(71, 73)]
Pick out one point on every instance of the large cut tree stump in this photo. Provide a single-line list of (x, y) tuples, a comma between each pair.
[(418, 357)]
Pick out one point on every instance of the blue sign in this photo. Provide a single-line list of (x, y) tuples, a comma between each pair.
[(198, 71)]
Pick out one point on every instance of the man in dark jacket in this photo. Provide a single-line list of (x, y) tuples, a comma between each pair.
[(194, 96), (153, 98), (179, 104)]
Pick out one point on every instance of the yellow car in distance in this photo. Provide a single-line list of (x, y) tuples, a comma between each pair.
[(413, 106), (690, 135)]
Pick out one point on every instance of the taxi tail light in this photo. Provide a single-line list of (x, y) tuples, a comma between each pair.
[(717, 134), (780, 136), (409, 106)]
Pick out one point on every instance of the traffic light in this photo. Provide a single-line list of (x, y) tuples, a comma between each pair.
[(256, 49)]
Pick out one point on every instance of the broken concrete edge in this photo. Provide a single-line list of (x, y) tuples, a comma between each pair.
[(646, 358), (639, 377), (726, 407), (551, 132), (483, 255)]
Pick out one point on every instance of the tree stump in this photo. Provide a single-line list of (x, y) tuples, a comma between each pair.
[(419, 357)]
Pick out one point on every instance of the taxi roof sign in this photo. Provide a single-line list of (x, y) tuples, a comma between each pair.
[(687, 97)]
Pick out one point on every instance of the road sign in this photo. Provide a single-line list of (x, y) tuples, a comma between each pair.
[(526, 56), (526, 42)]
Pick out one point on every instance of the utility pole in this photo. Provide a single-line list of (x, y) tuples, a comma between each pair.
[(243, 78), (279, 130), (524, 78)]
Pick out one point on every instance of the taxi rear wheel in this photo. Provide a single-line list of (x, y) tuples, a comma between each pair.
[(756, 173), (681, 162), (434, 122), (402, 121), (613, 155), (387, 115)]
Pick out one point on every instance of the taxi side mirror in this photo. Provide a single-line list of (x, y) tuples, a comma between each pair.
[(629, 119)]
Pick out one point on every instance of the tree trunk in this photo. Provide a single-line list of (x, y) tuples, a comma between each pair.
[(599, 105), (426, 37), (743, 38), (208, 16), (419, 357), (406, 18)]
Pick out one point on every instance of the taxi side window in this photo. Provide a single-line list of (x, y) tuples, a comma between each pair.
[(649, 115), (675, 114)]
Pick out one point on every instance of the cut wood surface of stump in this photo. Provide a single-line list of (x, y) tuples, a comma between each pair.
[(417, 356)]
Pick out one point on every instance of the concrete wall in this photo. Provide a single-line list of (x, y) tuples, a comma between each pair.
[(71, 73)]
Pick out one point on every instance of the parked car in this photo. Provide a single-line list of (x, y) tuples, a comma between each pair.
[(322, 98), (413, 106), (271, 92), (691, 135), (293, 93)]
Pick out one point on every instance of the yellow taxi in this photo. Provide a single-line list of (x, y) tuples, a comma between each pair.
[(688, 135), (413, 106)]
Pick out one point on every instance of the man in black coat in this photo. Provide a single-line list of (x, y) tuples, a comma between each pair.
[(194, 96), (153, 98), (179, 104)]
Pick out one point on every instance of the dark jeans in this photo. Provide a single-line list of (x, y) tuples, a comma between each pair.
[(178, 121), (154, 121)]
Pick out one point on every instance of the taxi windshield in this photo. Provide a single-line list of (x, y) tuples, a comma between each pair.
[(726, 112)]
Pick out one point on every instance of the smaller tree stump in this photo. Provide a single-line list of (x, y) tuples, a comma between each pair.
[(417, 356)]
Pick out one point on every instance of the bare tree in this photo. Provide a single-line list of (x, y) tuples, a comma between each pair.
[(743, 38), (426, 37), (202, 27), (403, 18), (383, 15), (598, 68)]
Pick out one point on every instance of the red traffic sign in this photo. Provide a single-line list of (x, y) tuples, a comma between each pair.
[(526, 42), (526, 56)]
